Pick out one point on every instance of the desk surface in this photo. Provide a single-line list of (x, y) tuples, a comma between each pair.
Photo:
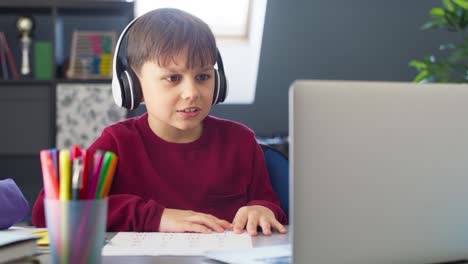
[(257, 241)]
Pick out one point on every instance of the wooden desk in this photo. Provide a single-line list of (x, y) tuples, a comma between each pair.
[(258, 241)]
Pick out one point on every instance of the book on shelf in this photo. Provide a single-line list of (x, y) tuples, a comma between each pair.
[(43, 60), (14, 246), (7, 63)]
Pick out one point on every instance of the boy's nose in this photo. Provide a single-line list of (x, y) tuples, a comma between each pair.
[(190, 90)]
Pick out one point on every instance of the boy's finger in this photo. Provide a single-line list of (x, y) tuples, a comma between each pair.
[(266, 227), (225, 224), (239, 222), (252, 225), (207, 221), (197, 228), (278, 226)]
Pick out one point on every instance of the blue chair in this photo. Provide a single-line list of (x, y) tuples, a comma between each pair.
[(278, 169)]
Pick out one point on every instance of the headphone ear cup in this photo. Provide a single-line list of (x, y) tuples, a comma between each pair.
[(125, 89), (222, 87), (137, 94), (220, 90), (216, 87), (131, 92)]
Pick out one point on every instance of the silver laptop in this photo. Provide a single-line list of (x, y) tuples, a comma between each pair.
[(379, 172)]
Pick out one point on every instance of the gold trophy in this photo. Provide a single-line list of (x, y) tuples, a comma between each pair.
[(25, 25)]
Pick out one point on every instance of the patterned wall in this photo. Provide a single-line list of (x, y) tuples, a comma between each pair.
[(83, 110)]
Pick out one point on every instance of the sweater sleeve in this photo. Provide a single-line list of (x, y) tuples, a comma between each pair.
[(260, 191), (38, 214), (126, 212)]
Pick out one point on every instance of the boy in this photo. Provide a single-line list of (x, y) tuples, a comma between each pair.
[(179, 169)]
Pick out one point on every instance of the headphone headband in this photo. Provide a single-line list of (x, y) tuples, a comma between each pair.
[(126, 86), (116, 86)]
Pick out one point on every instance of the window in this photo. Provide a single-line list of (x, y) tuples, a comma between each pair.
[(226, 18), (238, 28)]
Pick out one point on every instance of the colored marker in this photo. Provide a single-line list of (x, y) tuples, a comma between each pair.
[(85, 171), (65, 177), (105, 175), (110, 176), (94, 181), (48, 175)]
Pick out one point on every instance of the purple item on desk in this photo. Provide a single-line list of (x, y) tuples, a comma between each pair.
[(13, 205)]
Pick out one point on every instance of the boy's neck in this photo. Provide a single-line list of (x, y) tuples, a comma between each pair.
[(174, 135)]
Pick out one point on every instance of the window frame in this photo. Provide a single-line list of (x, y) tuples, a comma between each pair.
[(219, 36)]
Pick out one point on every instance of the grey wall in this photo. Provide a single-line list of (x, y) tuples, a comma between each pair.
[(332, 39)]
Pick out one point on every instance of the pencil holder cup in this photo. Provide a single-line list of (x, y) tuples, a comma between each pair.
[(76, 230)]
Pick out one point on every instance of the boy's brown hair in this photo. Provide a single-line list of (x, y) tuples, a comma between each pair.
[(161, 34)]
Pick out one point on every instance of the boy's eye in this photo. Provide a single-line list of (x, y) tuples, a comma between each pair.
[(203, 77), (173, 78)]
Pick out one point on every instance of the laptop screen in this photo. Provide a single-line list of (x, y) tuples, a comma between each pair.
[(379, 172)]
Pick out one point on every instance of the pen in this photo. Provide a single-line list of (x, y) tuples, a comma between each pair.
[(77, 178)]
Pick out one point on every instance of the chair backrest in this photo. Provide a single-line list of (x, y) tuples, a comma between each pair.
[(278, 169)]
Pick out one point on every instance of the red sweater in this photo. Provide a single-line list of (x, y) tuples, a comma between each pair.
[(217, 174)]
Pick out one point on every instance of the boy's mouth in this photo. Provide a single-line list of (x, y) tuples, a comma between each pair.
[(189, 110)]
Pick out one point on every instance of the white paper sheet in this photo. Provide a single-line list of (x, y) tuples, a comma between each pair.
[(174, 244), (279, 254)]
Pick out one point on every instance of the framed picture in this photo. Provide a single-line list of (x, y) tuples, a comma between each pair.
[(91, 55)]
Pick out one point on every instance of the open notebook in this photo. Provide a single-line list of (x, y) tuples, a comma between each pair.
[(14, 245)]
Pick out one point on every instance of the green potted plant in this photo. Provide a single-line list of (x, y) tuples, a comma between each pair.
[(451, 62)]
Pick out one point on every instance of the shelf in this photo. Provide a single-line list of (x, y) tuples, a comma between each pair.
[(55, 22), (25, 82), (84, 81), (66, 3), (48, 82), (26, 3), (31, 107), (94, 3)]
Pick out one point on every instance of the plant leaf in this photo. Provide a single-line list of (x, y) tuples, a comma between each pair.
[(452, 20), (448, 4), (461, 3), (450, 63), (448, 46), (421, 76), (418, 64), (437, 22), (437, 11), (428, 25)]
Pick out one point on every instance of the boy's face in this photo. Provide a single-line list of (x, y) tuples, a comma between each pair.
[(177, 99)]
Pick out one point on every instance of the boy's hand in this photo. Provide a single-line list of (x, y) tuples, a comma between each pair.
[(173, 220), (253, 216)]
